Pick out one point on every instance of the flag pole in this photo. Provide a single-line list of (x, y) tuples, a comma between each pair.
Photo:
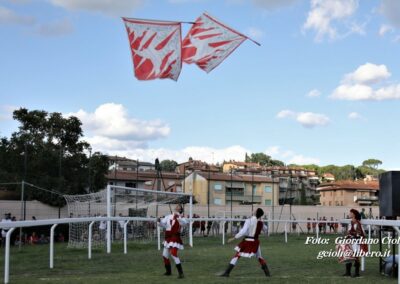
[(259, 44), (160, 21), (239, 33)]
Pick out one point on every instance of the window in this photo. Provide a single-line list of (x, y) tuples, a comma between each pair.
[(268, 202), (267, 189), (217, 186), (217, 201), (130, 184)]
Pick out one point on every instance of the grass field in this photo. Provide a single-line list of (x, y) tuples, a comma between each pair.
[(293, 262)]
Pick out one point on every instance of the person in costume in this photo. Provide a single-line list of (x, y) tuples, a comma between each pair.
[(172, 224), (250, 245), (355, 232)]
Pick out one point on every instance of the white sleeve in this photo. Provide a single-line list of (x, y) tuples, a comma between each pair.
[(183, 221), (163, 222), (265, 227), (243, 231)]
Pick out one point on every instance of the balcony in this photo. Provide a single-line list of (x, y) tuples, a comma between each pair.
[(247, 198)]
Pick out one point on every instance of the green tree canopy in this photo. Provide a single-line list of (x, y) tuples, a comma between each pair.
[(168, 165), (372, 163), (47, 151), (263, 160)]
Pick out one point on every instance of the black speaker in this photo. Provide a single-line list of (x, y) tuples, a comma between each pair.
[(389, 194)]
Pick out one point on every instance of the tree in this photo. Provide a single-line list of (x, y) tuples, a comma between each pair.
[(54, 153), (260, 158), (168, 165), (372, 163), (263, 160)]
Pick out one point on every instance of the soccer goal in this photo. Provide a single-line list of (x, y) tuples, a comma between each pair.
[(139, 207)]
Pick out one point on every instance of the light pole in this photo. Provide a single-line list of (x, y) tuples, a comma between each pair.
[(231, 199), (252, 191), (59, 168), (23, 204), (208, 193), (273, 198), (90, 169)]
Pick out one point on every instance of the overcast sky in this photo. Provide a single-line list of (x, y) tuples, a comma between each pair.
[(323, 88)]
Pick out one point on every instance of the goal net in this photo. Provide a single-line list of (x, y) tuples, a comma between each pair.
[(128, 204)]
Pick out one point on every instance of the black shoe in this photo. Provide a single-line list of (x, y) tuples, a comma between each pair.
[(266, 270), (348, 269), (180, 271), (227, 271), (167, 270), (357, 269)]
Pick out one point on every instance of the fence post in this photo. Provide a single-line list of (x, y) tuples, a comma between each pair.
[(90, 240), (52, 245), (125, 237), (7, 256)]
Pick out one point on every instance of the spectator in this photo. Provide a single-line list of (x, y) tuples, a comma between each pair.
[(314, 226), (203, 228), (7, 219), (336, 226), (33, 239), (215, 227), (209, 224), (331, 226), (60, 238), (308, 225), (362, 214), (294, 225)]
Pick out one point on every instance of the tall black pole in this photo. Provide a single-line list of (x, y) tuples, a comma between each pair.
[(231, 198), (137, 181), (23, 182), (252, 191), (208, 192), (137, 173), (90, 172), (115, 171), (59, 177), (59, 168), (23, 204), (184, 178), (90, 169), (273, 198)]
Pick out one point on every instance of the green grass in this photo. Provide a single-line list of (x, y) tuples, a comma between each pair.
[(293, 262)]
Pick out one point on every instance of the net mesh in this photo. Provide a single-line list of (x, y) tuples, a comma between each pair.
[(124, 202)]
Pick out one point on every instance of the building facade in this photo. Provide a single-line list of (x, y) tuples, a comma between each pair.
[(236, 189), (349, 193)]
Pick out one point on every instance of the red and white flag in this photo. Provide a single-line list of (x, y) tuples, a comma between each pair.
[(156, 48), (209, 42)]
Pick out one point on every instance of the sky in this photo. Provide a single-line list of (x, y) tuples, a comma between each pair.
[(323, 87)]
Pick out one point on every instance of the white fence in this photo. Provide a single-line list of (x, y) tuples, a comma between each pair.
[(11, 226)]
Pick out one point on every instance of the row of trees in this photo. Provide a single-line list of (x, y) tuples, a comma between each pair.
[(47, 151), (349, 172), (368, 167)]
